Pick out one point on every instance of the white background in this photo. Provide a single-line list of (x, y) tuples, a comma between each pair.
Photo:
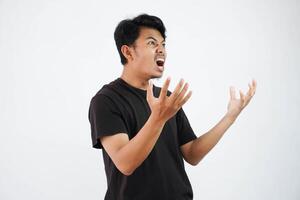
[(55, 55)]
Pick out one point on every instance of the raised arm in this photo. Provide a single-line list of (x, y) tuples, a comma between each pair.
[(195, 150)]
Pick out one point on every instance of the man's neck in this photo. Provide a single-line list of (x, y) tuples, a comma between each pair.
[(134, 80)]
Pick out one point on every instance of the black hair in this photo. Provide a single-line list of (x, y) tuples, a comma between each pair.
[(128, 30)]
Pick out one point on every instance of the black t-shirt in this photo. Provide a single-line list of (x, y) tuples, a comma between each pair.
[(121, 108)]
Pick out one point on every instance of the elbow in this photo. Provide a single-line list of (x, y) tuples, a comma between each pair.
[(125, 169), (126, 172), (125, 166), (194, 162)]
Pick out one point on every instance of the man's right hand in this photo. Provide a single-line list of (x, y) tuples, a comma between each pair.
[(164, 107), (127, 154)]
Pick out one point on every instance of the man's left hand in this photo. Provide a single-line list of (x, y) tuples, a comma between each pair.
[(235, 105)]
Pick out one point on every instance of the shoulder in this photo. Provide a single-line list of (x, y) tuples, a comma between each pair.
[(105, 96), (107, 91), (109, 88)]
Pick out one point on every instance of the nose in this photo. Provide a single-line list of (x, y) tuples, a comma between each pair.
[(160, 48)]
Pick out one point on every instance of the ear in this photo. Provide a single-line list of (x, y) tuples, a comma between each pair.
[(126, 51)]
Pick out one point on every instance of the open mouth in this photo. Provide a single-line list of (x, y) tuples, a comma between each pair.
[(160, 62)]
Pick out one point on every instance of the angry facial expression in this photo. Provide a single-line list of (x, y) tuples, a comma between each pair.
[(149, 54)]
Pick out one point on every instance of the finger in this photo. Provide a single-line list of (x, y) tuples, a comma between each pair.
[(242, 97), (254, 86), (249, 92), (182, 93), (254, 83), (185, 99), (150, 90), (177, 90), (249, 85), (164, 89), (232, 93)]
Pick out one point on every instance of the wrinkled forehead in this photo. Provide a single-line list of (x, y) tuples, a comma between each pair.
[(150, 33)]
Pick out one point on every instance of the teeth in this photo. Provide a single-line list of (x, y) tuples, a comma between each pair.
[(161, 59)]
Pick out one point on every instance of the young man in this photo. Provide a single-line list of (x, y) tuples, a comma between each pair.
[(142, 129)]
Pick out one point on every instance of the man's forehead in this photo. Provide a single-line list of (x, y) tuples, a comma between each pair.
[(149, 33)]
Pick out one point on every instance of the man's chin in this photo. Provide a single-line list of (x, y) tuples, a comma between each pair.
[(156, 76)]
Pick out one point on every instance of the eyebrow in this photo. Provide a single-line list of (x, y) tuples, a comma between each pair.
[(150, 37)]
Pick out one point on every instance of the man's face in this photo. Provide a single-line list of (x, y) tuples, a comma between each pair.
[(149, 54)]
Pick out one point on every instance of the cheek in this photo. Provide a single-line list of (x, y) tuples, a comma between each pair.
[(145, 60), (147, 57)]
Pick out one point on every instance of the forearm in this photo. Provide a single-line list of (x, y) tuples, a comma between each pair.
[(203, 144), (139, 147)]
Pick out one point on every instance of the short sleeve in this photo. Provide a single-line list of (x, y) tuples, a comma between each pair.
[(105, 119), (184, 130)]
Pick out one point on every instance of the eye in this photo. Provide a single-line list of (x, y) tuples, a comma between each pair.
[(164, 44), (152, 43)]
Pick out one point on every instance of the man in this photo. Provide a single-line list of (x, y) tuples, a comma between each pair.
[(142, 129)]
